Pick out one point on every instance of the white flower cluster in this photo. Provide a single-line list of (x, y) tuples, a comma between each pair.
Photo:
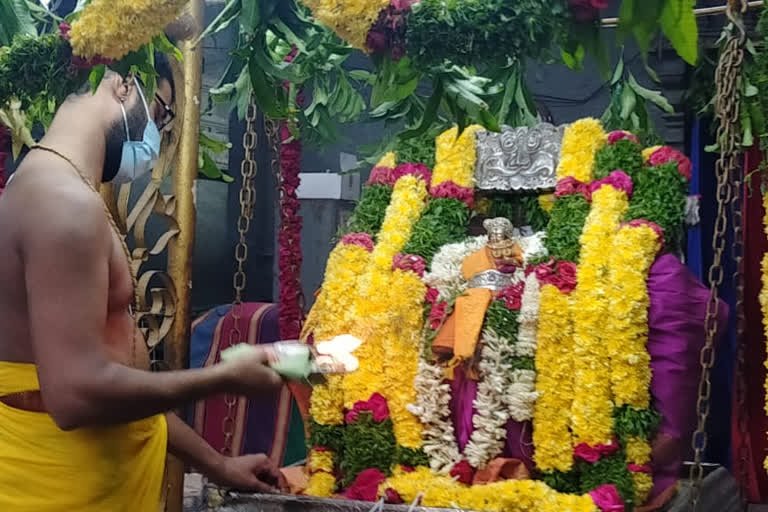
[(503, 392)]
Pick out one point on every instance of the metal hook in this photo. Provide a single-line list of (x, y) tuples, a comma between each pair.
[(734, 12)]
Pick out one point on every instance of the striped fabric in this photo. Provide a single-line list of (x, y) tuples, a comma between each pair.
[(261, 424)]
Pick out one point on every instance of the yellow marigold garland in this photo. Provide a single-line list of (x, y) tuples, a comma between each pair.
[(402, 355), (321, 484), (634, 251), (592, 409), (114, 28), (554, 382), (504, 496), (638, 451), (643, 486), (372, 307), (350, 19), (328, 318), (581, 141), (764, 303), (388, 160), (321, 461), (455, 157)]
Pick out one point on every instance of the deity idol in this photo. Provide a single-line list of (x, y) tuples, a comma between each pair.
[(487, 270)]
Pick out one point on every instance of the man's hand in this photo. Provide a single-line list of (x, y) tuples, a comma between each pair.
[(249, 375), (254, 473)]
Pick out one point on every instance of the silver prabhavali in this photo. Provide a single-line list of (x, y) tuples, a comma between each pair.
[(521, 158)]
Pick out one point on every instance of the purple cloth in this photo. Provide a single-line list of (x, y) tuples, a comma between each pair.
[(463, 393), (519, 442), (676, 335)]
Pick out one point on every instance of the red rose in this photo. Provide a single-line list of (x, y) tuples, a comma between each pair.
[(392, 496), (607, 499), (431, 295), (376, 405), (463, 472), (366, 485), (437, 314)]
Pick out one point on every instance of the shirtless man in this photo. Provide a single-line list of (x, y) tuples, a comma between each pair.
[(82, 422)]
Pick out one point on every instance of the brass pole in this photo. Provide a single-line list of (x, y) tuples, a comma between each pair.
[(181, 247)]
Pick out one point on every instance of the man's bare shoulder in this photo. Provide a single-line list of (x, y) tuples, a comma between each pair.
[(57, 208)]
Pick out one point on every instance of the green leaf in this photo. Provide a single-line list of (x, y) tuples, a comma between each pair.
[(265, 91), (430, 114), (209, 169), (250, 15), (618, 73), (678, 22), (15, 18), (628, 102), (163, 44), (229, 13), (654, 97), (573, 60), (640, 18), (96, 76), (215, 146), (362, 75)]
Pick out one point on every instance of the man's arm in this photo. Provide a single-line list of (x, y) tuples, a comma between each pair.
[(66, 261), (247, 473)]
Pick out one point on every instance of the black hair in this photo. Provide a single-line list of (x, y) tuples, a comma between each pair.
[(162, 68), (164, 72)]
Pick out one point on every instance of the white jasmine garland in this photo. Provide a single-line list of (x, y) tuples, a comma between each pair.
[(503, 392)]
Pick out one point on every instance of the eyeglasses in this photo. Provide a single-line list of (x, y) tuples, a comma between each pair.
[(168, 114)]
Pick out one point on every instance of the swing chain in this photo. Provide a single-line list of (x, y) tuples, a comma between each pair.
[(248, 169), (727, 104)]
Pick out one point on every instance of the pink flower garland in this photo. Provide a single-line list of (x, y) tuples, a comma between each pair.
[(561, 274), (388, 175), (589, 453), (607, 499), (5, 140), (376, 405), (617, 135), (666, 154), (363, 240), (412, 262), (450, 189), (618, 179)]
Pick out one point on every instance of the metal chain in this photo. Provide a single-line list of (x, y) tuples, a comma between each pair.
[(727, 103), (248, 169)]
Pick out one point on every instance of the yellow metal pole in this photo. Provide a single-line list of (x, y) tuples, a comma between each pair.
[(181, 249)]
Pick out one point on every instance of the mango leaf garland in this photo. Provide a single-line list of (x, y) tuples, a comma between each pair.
[(367, 444), (444, 221), (566, 222), (625, 155), (659, 197)]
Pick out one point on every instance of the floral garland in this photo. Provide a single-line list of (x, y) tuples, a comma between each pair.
[(112, 29), (372, 304), (452, 193), (350, 19), (581, 140), (554, 382), (377, 193), (634, 250), (764, 302), (329, 317), (504, 496), (289, 238), (592, 410), (506, 384)]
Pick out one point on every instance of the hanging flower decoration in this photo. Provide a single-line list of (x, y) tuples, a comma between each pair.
[(111, 29), (289, 237)]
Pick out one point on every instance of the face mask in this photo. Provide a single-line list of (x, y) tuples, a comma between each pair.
[(139, 157)]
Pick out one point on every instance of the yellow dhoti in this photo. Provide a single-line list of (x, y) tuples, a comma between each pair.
[(105, 469)]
